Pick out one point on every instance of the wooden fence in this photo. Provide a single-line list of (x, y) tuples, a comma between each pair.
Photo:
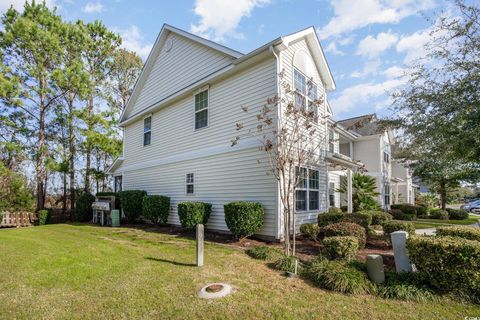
[(18, 219)]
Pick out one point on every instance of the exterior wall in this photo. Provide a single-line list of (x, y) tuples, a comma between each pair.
[(368, 152), (185, 63), (334, 177), (287, 58)]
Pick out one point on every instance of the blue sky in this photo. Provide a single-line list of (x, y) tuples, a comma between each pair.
[(367, 42)]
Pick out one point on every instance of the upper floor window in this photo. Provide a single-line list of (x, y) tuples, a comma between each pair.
[(189, 183), (331, 141), (147, 131), (307, 191), (386, 157), (201, 110), (306, 92)]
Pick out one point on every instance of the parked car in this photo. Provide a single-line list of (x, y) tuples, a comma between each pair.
[(471, 206)]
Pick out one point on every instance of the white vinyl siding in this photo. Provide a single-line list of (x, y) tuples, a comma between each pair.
[(185, 63)]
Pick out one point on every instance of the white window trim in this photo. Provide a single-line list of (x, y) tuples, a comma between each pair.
[(308, 189), (185, 182), (150, 115), (206, 88), (306, 97)]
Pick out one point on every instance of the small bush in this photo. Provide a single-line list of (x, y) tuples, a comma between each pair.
[(362, 218), (400, 215), (460, 231), (457, 214), (132, 202), (155, 208), (379, 217), (243, 219), (446, 263), (287, 263), (43, 216), (347, 229), (405, 286), (393, 226), (325, 219), (406, 208), (193, 213), (339, 276), (344, 208), (439, 214), (264, 253), (83, 207), (310, 231), (342, 247), (422, 211), (334, 210)]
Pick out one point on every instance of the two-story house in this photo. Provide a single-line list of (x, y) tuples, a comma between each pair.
[(180, 120)]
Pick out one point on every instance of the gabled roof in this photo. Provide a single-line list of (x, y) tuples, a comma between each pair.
[(364, 125), (237, 58)]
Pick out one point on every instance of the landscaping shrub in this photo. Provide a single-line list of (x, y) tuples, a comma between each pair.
[(43, 216), (109, 194), (243, 219), (156, 208), (132, 202), (310, 231), (193, 213), (460, 231), (334, 210), (400, 215), (422, 211), (344, 208), (347, 229), (287, 263), (264, 253), (362, 218), (393, 226), (446, 263), (83, 207), (404, 286), (341, 247), (457, 214), (379, 217), (406, 208), (325, 219), (339, 276), (439, 214)]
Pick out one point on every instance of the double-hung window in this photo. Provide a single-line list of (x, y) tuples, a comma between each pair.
[(201, 110), (307, 191), (147, 131), (306, 92), (331, 194), (387, 194), (189, 183)]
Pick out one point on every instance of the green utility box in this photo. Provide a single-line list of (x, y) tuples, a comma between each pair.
[(115, 214)]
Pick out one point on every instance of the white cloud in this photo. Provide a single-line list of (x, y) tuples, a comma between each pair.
[(350, 15), (93, 7), (332, 48), (18, 4), (370, 67), (363, 94), (413, 45), (133, 40), (372, 47), (220, 18), (394, 72)]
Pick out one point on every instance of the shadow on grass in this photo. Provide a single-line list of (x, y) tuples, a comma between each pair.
[(171, 262)]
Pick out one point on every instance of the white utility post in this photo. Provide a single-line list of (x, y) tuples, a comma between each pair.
[(349, 191), (200, 237)]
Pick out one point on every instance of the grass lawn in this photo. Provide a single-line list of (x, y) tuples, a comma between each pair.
[(433, 223), (84, 272)]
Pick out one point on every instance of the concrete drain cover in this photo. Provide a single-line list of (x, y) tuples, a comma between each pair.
[(215, 290)]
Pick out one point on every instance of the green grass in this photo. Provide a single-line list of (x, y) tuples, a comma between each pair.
[(433, 223), (86, 272)]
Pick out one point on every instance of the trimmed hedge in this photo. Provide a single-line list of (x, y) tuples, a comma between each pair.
[(406, 208), (362, 218), (324, 219), (347, 229), (43, 216), (156, 208), (83, 207), (310, 231), (132, 202), (422, 211), (400, 215), (264, 253), (446, 263), (193, 213), (243, 218), (379, 217), (334, 210), (460, 231), (457, 214), (393, 226), (439, 214), (341, 247)]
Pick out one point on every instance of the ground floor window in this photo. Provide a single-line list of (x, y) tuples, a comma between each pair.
[(331, 194), (118, 183), (307, 193), (387, 194)]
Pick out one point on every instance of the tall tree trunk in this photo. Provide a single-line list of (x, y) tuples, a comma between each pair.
[(71, 159), (39, 167), (88, 146), (64, 204), (443, 194)]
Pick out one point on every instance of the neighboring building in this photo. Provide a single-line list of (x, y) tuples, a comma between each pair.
[(403, 190), (180, 120)]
